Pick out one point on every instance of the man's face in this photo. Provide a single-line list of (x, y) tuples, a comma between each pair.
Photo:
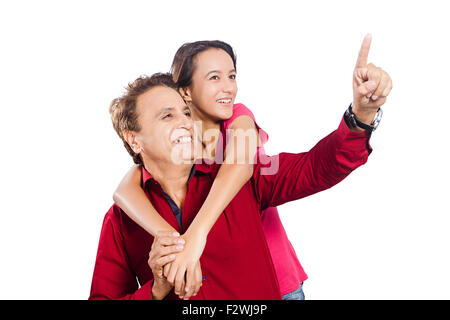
[(166, 126)]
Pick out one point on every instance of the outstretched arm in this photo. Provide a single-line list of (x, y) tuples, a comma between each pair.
[(334, 157), (131, 198), (236, 170)]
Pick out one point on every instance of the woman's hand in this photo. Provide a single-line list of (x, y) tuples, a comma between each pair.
[(371, 85), (185, 271), (163, 251)]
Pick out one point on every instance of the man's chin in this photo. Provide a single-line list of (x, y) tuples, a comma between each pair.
[(182, 155)]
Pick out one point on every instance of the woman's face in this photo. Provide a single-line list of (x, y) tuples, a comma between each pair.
[(214, 87)]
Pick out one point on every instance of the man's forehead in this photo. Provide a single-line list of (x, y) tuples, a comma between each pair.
[(160, 98)]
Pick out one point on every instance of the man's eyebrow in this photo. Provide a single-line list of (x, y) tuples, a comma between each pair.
[(217, 71), (165, 109)]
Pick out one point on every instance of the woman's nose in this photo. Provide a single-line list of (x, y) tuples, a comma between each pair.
[(228, 86)]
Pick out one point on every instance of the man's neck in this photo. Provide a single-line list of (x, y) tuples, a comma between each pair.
[(173, 178)]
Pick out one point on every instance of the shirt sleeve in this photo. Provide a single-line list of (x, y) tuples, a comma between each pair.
[(287, 176), (113, 279)]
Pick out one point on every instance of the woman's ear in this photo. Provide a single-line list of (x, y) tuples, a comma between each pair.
[(185, 94), (130, 138)]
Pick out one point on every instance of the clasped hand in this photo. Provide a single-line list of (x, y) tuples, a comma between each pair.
[(174, 261)]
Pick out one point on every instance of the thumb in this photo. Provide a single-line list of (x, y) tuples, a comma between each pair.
[(367, 87)]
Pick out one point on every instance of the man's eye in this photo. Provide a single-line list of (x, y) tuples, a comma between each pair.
[(167, 116)]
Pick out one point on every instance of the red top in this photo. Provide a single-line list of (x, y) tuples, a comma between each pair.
[(289, 271), (236, 261)]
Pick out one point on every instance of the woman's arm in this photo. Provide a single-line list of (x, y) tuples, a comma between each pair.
[(131, 198), (236, 170)]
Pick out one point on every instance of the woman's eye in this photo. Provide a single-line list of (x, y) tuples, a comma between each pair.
[(167, 116), (232, 76), (214, 78), (188, 114)]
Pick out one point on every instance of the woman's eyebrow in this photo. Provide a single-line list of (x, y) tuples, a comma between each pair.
[(213, 71), (217, 71)]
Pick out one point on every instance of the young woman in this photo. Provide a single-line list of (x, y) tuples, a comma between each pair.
[(205, 72)]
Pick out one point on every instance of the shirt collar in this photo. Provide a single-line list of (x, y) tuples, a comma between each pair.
[(199, 166)]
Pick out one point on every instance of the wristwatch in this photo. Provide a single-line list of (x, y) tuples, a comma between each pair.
[(353, 122)]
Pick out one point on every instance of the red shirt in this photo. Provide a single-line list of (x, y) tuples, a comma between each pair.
[(236, 262), (289, 271)]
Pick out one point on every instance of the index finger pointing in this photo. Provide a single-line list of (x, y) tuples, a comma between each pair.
[(364, 52)]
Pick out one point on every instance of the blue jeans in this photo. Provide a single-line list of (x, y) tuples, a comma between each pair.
[(297, 294)]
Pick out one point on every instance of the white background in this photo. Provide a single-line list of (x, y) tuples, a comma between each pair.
[(380, 234)]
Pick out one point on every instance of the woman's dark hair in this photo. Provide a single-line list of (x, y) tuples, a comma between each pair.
[(183, 63)]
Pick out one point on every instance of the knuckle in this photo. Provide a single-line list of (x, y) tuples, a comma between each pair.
[(380, 102), (362, 90), (157, 252), (162, 251), (162, 262), (162, 240)]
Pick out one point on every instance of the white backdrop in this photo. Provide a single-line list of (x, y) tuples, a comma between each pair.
[(380, 234)]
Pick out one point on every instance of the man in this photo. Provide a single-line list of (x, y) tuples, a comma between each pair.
[(154, 123)]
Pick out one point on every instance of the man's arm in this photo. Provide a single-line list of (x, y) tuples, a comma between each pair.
[(298, 175), (113, 278), (295, 176)]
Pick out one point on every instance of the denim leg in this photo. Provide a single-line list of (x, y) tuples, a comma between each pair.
[(297, 294)]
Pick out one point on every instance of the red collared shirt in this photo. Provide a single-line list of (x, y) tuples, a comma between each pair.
[(236, 262)]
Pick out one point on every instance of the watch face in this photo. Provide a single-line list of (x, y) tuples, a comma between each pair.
[(377, 119), (353, 121)]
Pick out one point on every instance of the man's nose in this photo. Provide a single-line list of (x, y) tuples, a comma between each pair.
[(186, 122)]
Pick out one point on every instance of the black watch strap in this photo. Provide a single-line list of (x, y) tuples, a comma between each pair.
[(353, 122)]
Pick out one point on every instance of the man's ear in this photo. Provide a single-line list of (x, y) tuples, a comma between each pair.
[(185, 94), (130, 138)]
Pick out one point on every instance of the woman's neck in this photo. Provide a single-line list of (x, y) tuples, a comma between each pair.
[(209, 133)]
